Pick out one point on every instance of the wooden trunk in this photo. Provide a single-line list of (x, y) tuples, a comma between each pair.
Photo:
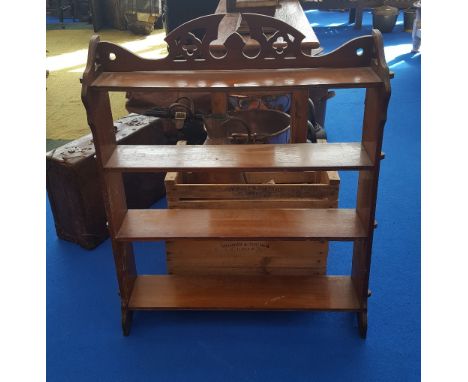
[(312, 189), (73, 185)]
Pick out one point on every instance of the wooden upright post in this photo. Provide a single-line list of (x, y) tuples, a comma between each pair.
[(372, 134), (102, 126), (299, 115)]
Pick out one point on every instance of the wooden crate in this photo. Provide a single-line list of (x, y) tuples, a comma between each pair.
[(312, 189), (246, 257)]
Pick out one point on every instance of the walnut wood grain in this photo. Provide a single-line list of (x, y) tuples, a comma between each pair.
[(300, 157), (334, 293), (230, 224), (236, 80)]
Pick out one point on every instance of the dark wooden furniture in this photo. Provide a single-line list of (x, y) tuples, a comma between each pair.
[(356, 7), (177, 12), (360, 63), (362, 5), (117, 13), (333, 5), (416, 34), (288, 11), (75, 9), (73, 185)]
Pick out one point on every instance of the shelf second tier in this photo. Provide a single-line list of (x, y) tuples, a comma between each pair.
[(231, 224), (298, 157)]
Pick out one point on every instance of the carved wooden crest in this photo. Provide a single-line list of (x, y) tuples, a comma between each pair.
[(278, 46), (275, 39)]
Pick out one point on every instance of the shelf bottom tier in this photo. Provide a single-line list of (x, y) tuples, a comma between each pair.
[(166, 292)]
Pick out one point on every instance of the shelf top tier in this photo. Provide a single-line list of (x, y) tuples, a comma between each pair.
[(278, 63), (274, 79)]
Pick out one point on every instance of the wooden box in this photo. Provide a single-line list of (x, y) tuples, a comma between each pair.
[(314, 189), (74, 189)]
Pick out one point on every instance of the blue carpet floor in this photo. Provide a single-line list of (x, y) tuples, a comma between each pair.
[(84, 340)]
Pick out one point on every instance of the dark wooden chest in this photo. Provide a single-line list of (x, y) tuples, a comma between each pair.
[(74, 189)]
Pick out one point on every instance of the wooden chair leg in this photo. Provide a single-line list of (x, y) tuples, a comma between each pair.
[(358, 18), (127, 318), (352, 15), (362, 323)]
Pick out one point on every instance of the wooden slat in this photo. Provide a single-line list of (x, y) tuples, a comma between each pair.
[(334, 293), (204, 80), (230, 224), (259, 203), (206, 270), (299, 157), (262, 191)]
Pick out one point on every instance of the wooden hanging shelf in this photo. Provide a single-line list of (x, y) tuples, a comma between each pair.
[(278, 64)]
